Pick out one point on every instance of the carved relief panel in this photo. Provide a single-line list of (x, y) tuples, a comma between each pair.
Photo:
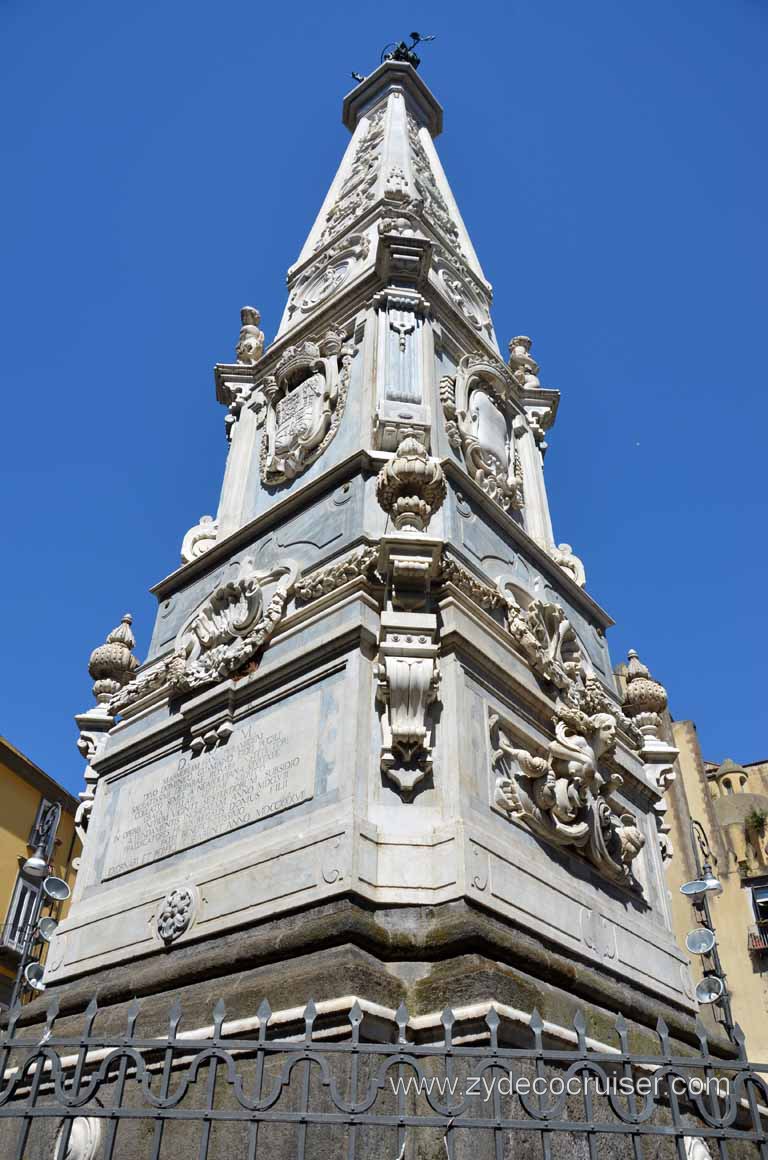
[(479, 420), (401, 407)]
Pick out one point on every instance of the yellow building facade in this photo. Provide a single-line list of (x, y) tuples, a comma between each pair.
[(26, 792), (730, 802)]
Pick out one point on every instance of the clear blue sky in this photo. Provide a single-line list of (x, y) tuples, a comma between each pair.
[(161, 166)]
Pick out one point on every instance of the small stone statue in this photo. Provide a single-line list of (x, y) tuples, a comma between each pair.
[(251, 343), (523, 366)]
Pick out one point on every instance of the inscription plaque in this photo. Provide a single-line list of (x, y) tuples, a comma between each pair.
[(268, 765)]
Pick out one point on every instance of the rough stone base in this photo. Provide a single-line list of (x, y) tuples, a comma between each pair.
[(452, 955)]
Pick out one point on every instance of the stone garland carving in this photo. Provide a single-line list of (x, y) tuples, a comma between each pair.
[(564, 557), (407, 681), (305, 399), (199, 539), (567, 797), (357, 191), (318, 583), (175, 914), (411, 486), (435, 207), (250, 345), (451, 572), (221, 636), (479, 420)]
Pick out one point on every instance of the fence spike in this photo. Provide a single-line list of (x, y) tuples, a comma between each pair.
[(401, 1019), (264, 1012), (536, 1025), (219, 1011), (310, 1014), (174, 1018), (132, 1014), (52, 1012), (662, 1030), (355, 1013), (621, 1026), (739, 1038), (447, 1018), (13, 1019), (580, 1023), (89, 1017), (492, 1019), (703, 1035)]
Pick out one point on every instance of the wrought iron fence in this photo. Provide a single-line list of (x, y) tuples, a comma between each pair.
[(367, 1083)]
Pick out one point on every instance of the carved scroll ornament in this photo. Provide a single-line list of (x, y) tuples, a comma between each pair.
[(305, 397), (408, 678), (567, 797), (479, 419), (232, 625), (546, 637)]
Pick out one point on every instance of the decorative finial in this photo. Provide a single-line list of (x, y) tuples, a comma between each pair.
[(404, 52), (251, 343), (645, 698), (113, 664), (411, 486)]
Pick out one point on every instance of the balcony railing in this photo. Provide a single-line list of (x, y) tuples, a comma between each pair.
[(757, 936)]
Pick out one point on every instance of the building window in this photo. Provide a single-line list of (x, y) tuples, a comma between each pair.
[(760, 903), (727, 786), (20, 913)]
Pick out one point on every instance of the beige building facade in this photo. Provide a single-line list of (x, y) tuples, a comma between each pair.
[(730, 802)]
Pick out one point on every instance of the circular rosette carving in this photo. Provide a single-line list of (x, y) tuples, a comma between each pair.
[(175, 914), (84, 1138)]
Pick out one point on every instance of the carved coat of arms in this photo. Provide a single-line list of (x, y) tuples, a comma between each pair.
[(305, 401)]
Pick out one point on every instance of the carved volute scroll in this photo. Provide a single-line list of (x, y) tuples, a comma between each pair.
[(408, 678), (479, 414), (305, 397)]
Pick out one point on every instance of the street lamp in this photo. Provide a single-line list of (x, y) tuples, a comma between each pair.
[(703, 940), (51, 890)]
